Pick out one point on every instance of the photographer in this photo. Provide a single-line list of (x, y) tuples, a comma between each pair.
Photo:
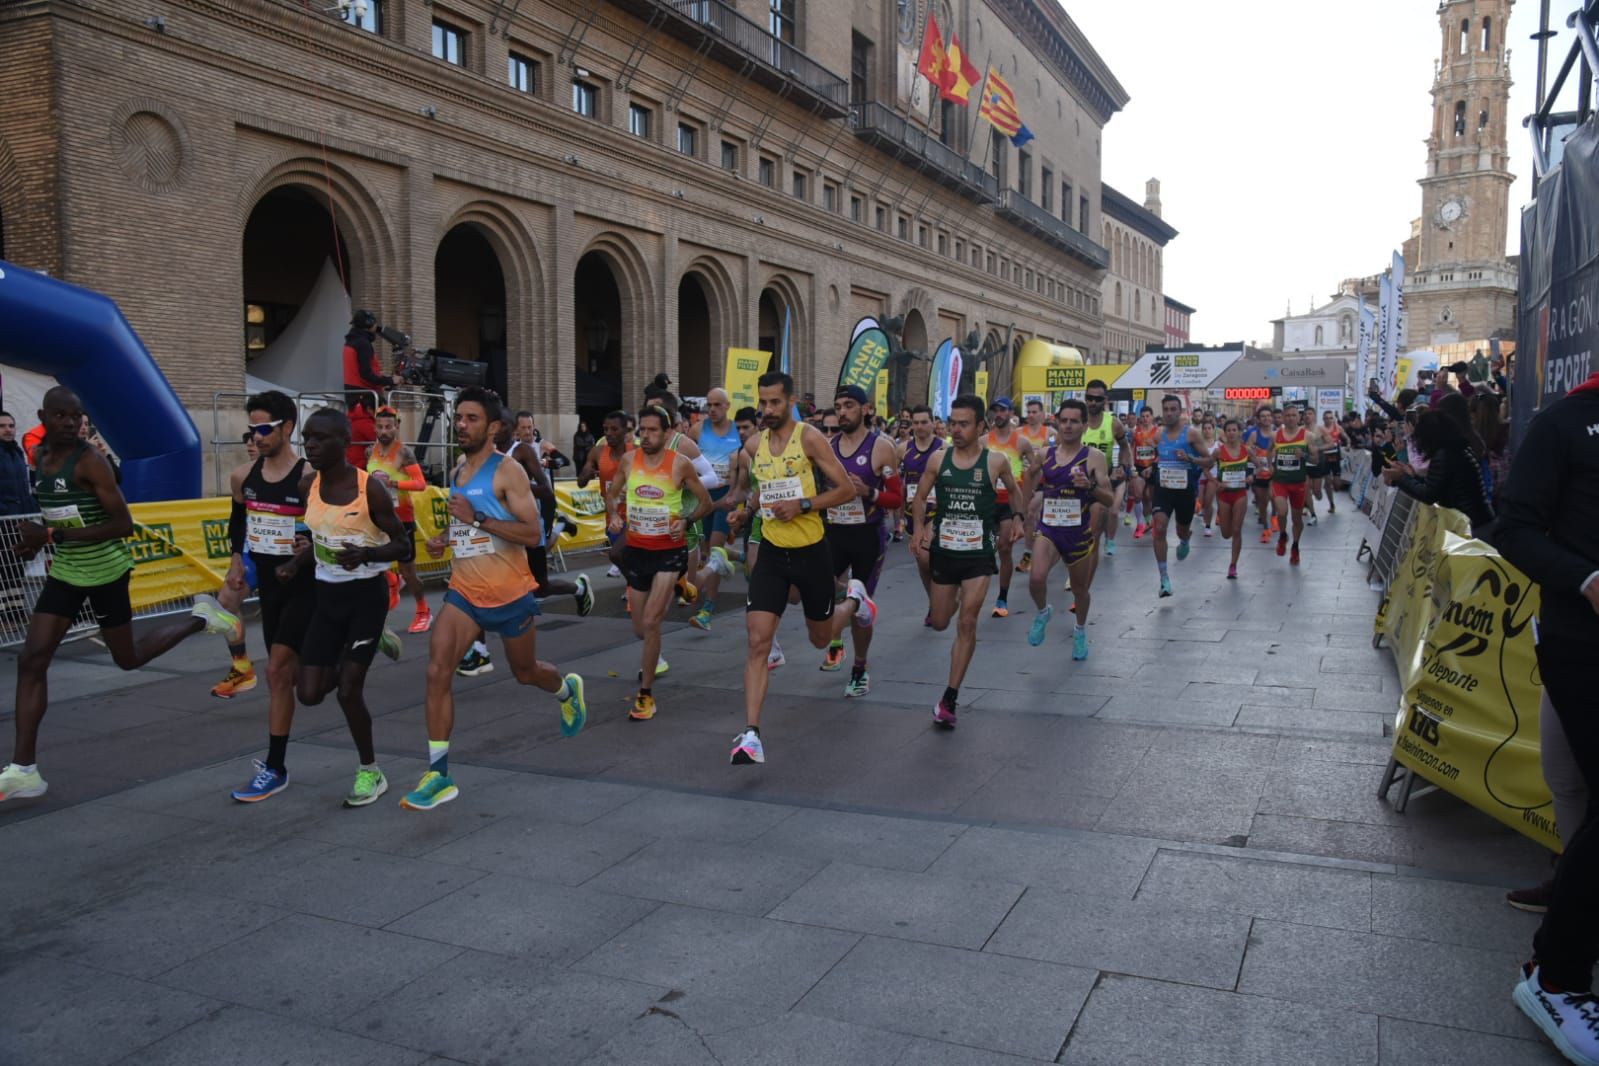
[(362, 378)]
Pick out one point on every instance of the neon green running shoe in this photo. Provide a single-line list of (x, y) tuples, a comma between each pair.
[(369, 785), (434, 788), (574, 711), (389, 644), (661, 666)]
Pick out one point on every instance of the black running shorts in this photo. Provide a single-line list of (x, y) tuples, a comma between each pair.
[(946, 568), (640, 565), (286, 609), (347, 622), (110, 602), (808, 568), (1179, 503)]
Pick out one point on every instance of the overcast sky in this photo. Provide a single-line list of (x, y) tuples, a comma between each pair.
[(1288, 138)]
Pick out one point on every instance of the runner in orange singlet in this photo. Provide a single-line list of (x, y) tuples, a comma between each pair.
[(1144, 458), (1038, 434)]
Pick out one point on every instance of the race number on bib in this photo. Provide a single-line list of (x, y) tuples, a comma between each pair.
[(1065, 511), (778, 490), (1144, 453), (1287, 462), (269, 534), (722, 467), (1173, 477), (62, 517), (327, 551), (466, 542), (852, 513), (961, 534), (649, 521), (1233, 479)]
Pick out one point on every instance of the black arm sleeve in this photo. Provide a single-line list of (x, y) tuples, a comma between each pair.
[(236, 522), (1389, 409), (1435, 487)]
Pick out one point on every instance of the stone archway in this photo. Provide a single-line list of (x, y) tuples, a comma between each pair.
[(705, 312), (780, 298), (907, 381), (469, 297), (528, 377)]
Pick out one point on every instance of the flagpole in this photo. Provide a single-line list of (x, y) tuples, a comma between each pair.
[(982, 88)]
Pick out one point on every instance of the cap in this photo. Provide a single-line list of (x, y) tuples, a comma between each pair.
[(853, 392), (386, 410), (1002, 403), (363, 319)]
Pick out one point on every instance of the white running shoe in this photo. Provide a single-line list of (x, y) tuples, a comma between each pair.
[(614, 571), (720, 563), (17, 783), (1570, 1022), (747, 749), (866, 614), (216, 619), (774, 658)]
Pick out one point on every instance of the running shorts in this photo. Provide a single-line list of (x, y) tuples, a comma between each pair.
[(1316, 470), (1003, 513), (1232, 495), (1293, 492), (640, 565), (949, 569), (716, 521), (809, 569), (1179, 503), (346, 622), (286, 609), (110, 602), (509, 620), (1074, 543), (860, 550)]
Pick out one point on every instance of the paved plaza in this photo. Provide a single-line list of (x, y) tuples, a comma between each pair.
[(1172, 852)]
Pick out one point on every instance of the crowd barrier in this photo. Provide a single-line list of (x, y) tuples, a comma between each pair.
[(1458, 620)]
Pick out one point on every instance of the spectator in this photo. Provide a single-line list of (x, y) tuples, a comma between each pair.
[(1485, 408), (364, 382), (1454, 478), (31, 441), (582, 444), (1550, 530), (16, 497)]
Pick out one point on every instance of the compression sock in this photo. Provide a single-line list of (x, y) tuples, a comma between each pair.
[(277, 752), (439, 757)]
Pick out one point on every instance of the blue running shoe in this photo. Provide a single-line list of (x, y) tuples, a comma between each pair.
[(434, 788), (1165, 587), (1035, 635), (266, 782), (574, 711), (1110, 547), (1079, 645), (1182, 549)]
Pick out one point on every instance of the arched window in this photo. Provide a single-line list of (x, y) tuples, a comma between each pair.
[(1118, 298), (1482, 116), (1138, 306), (1320, 339), (1460, 119), (1487, 32), (1465, 36)]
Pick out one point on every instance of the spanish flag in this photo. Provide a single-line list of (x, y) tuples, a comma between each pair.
[(934, 63), (960, 76), (999, 108)]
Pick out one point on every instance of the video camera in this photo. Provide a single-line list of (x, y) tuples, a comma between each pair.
[(432, 369)]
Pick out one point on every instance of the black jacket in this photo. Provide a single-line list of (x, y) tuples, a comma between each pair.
[(16, 495), (1549, 510), (1454, 479)]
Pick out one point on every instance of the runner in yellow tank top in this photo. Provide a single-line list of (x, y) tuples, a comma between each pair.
[(1009, 525), (785, 458)]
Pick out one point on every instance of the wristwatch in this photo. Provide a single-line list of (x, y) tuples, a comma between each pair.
[(806, 505), (478, 518)]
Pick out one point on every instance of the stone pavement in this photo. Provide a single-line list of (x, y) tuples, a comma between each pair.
[(1171, 852)]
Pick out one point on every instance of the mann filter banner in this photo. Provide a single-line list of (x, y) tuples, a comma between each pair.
[(980, 384), (1469, 720), (1178, 370), (880, 397), (744, 368), (868, 354), (943, 382)]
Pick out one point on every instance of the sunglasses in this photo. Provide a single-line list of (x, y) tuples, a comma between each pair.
[(1094, 399), (832, 429), (264, 429)]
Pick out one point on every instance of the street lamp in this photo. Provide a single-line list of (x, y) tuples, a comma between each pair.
[(596, 335)]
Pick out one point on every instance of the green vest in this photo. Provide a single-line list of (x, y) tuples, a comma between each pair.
[(964, 525), (64, 505), (1291, 459)]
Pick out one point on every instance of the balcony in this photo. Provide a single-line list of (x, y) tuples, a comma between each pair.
[(746, 46), (914, 146), (1019, 210)]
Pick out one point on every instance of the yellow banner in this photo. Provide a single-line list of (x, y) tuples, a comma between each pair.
[(1459, 623), (1055, 379), (980, 384), (881, 399), (744, 368)]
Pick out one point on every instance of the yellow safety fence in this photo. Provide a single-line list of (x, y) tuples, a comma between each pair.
[(180, 547), (1459, 621)]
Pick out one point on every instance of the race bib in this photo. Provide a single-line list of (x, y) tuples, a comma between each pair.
[(327, 551), (649, 521), (1064, 511), (62, 517), (1173, 477), (269, 534), (961, 534), (1144, 453), (852, 513), (1233, 479), (722, 467), (777, 490), (466, 542), (1287, 461)]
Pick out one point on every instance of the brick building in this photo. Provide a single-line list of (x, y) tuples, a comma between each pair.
[(1179, 322), (583, 194)]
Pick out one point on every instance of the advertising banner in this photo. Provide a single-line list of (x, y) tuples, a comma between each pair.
[(980, 384), (744, 368), (1363, 373), (868, 354), (1384, 309), (943, 382), (1178, 370), (880, 396)]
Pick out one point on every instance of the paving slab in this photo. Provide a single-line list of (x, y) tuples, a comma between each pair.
[(1289, 892), (543, 851), (1406, 1043), (1449, 912), (707, 875), (931, 908), (1090, 863), (239, 1036), (863, 839)]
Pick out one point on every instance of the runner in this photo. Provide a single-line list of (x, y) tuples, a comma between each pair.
[(1232, 480), (1109, 435), (1142, 489), (355, 535), (1041, 437), (1332, 456), (1207, 478), (240, 677), (1320, 434), (493, 517), (719, 439), (1259, 439), (604, 460), (788, 459), (86, 519), (394, 467), (1076, 485), (528, 456), (718, 565), (960, 543), (268, 515), (1180, 456), (913, 459), (746, 517), (1292, 454), (857, 538), (1004, 440), (654, 480)]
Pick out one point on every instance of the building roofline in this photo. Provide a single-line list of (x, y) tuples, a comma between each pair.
[(1067, 49), (1120, 206), (1179, 305)]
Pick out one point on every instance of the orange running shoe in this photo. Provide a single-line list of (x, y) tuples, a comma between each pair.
[(423, 620), (237, 682), (394, 588)]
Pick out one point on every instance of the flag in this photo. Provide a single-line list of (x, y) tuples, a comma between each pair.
[(1393, 335), (960, 77), (1384, 306), (1363, 359), (934, 64), (999, 106)]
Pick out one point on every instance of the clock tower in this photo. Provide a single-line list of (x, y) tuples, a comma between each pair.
[(1461, 288)]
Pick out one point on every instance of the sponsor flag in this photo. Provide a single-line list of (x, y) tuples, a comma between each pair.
[(999, 108), (980, 384), (1363, 358), (880, 397), (934, 64), (744, 368), (943, 383), (1396, 324), (867, 355), (960, 76), (1384, 305)]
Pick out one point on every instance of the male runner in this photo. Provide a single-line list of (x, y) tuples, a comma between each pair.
[(1142, 487), (493, 518), (654, 478), (85, 518), (856, 535), (960, 543), (788, 460), (1109, 435), (1018, 451), (1320, 434), (1180, 455), (268, 513), (719, 440), (1075, 478), (552, 523), (914, 455), (604, 460), (1258, 440), (718, 563), (1232, 481), (1041, 437), (1332, 456), (1292, 454), (394, 467)]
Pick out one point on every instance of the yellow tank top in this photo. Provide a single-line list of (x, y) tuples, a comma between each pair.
[(789, 476), (653, 502), (1012, 451)]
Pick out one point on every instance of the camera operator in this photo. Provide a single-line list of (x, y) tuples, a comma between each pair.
[(362, 378)]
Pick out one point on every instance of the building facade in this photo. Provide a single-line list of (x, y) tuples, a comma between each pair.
[(1131, 294), (1179, 322), (581, 194)]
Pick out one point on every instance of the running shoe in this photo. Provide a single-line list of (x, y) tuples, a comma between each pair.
[(661, 665), (216, 619), (475, 664), (236, 682), (1127, 519), (369, 785), (927, 620), (1232, 572), (1026, 563), (1035, 635), (393, 581), (1182, 549), (434, 788), (1265, 536), (614, 571), (584, 595), (389, 644), (1001, 608), (944, 714), (1332, 508), (686, 592), (720, 563), (1110, 548), (574, 711), (866, 613), (564, 526), (1282, 544), (16, 783), (643, 708), (423, 620), (1310, 519), (1534, 900), (1293, 556), (898, 536), (1209, 532), (774, 658), (834, 659), (1276, 524), (1139, 531), (747, 749), (1165, 587), (701, 619), (1570, 1021), (266, 782), (860, 682), (1079, 645)]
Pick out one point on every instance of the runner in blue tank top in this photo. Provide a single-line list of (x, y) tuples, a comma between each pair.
[(1180, 455)]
